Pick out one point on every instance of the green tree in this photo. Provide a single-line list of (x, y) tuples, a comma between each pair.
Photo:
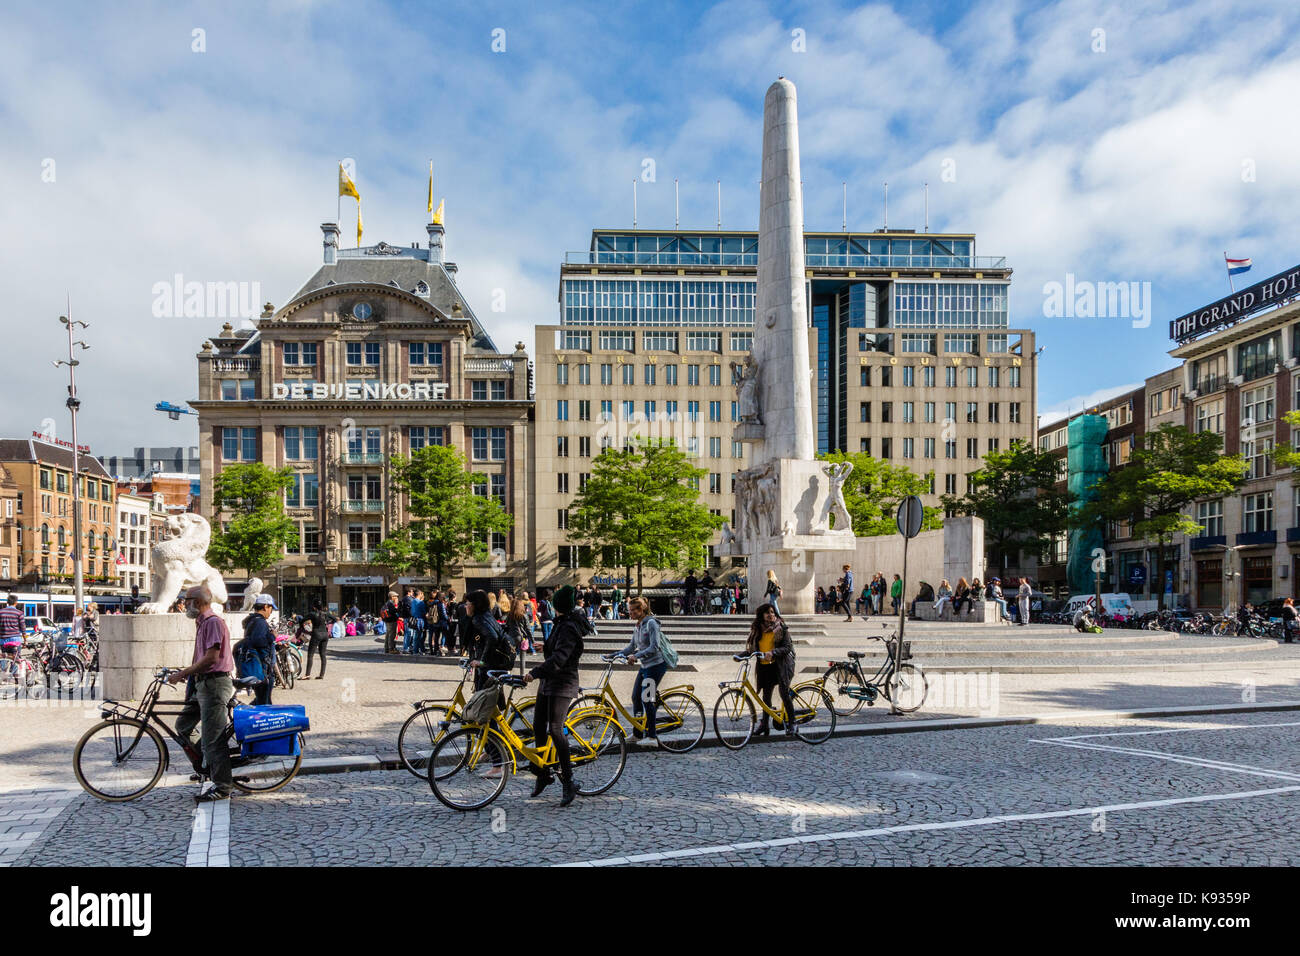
[(645, 503), (450, 521), (874, 489), (1170, 469), (1015, 495), (1285, 454), (258, 531)]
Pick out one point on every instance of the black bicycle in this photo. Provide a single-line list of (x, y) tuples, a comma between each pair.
[(848, 687), (124, 756)]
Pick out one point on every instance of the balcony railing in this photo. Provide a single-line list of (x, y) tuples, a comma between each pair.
[(370, 505), (359, 557), (362, 458), (489, 365), (812, 261), (236, 364)]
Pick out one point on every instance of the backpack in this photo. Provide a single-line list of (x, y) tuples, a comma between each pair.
[(404, 609), (666, 649)]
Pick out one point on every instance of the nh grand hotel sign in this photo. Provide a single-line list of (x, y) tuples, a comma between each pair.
[(1239, 305), (359, 391)]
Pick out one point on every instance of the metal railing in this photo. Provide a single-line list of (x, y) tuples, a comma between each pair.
[(363, 505), (236, 364), (812, 260), (489, 365), (362, 458), (359, 557)]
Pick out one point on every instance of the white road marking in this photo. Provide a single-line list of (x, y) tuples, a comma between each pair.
[(921, 827), (210, 835), (1167, 730)]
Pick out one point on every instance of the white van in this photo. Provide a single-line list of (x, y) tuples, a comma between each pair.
[(1116, 605)]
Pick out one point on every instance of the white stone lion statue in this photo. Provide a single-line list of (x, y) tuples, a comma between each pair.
[(178, 562)]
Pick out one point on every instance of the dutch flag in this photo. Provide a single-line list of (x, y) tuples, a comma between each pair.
[(1237, 266)]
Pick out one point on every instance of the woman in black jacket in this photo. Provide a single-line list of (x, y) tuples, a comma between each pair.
[(490, 650), (559, 676)]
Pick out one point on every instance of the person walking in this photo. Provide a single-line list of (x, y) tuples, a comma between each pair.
[(643, 650), (256, 652), (404, 614), (320, 639), (207, 692), (846, 593), (545, 614), (1023, 594), (896, 592), (877, 592), (1290, 618), (558, 674), (769, 636), (691, 587), (517, 629), (772, 592), (616, 604)]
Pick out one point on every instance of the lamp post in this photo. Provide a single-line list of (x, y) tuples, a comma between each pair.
[(73, 404)]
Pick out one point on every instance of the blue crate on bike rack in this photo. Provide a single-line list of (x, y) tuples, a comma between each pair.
[(255, 722), (285, 746)]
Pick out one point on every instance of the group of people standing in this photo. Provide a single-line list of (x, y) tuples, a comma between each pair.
[(842, 595), (437, 624)]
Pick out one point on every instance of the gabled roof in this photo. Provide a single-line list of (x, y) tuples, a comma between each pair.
[(32, 450)]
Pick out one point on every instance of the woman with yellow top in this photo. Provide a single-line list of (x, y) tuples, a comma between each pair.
[(769, 636)]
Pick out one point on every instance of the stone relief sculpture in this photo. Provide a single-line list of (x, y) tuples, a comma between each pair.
[(834, 504), (728, 537), (745, 377), (178, 561), (767, 500)]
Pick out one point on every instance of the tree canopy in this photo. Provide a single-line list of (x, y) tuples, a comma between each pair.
[(450, 517), (644, 503), (258, 532)]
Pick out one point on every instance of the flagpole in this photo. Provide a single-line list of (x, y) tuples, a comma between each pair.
[(1231, 284)]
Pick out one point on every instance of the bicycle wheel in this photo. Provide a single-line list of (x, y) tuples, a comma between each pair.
[(814, 715), (836, 679), (597, 749), (418, 737), (470, 768), (264, 773), (66, 672), (119, 759), (733, 718), (679, 721), (907, 688)]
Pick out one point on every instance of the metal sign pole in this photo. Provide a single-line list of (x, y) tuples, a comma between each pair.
[(902, 622)]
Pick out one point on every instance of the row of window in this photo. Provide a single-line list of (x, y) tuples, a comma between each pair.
[(649, 412), (650, 375), (996, 376), (658, 302), (1256, 513), (994, 415), (302, 354), (62, 482), (302, 443), (927, 447)]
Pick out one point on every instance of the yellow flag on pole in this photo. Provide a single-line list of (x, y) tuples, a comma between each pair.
[(437, 216), (358, 223), (430, 185), (346, 186)]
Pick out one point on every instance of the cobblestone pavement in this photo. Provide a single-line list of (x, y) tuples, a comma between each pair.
[(359, 708), (1195, 790)]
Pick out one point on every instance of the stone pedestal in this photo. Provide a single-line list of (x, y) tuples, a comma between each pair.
[(963, 549), (132, 647)]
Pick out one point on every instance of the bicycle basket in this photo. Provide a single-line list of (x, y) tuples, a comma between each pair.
[(907, 650)]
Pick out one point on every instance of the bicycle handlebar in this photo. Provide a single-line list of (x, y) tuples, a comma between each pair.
[(613, 658), (507, 678)]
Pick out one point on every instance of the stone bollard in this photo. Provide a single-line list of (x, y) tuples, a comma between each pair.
[(132, 647)]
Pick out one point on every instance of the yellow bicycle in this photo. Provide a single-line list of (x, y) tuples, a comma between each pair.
[(679, 720), (470, 766), (424, 728), (734, 714)]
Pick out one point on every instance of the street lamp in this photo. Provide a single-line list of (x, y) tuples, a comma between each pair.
[(73, 404)]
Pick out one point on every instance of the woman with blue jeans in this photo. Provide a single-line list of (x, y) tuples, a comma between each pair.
[(644, 650)]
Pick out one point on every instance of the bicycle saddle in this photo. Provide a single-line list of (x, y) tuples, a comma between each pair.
[(246, 682), (857, 655)]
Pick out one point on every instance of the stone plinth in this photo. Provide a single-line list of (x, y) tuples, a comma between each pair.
[(963, 549), (981, 612), (132, 647)]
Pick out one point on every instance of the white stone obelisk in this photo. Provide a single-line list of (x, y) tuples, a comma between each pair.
[(781, 497), (781, 313)]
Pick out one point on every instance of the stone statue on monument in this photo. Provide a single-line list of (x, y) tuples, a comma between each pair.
[(178, 561), (834, 504), (745, 377)]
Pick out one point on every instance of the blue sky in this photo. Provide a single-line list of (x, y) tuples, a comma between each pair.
[(1139, 161)]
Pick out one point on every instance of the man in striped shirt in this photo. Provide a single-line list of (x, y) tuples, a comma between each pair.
[(11, 628)]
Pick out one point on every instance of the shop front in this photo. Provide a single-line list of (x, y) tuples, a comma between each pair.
[(368, 593)]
